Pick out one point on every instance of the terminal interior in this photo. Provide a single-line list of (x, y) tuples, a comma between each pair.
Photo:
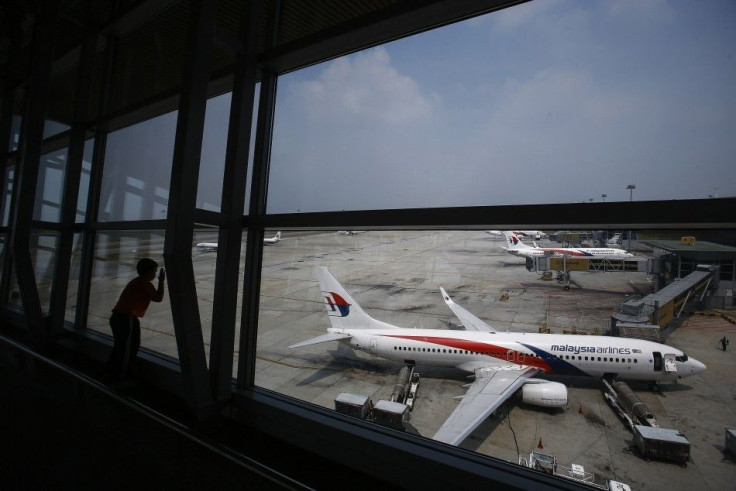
[(142, 128)]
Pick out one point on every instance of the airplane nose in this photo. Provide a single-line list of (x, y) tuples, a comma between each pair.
[(696, 366)]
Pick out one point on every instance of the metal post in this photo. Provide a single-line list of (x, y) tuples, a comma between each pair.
[(182, 201), (44, 34), (71, 181), (233, 201)]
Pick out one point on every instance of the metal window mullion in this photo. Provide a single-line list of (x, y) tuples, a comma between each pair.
[(182, 203), (90, 233), (233, 200), (6, 128), (27, 175), (254, 241), (72, 178)]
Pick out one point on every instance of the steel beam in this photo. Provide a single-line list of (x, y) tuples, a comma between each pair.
[(233, 201), (72, 178), (182, 202), (44, 34)]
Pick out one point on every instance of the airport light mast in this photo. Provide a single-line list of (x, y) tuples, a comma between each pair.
[(631, 188)]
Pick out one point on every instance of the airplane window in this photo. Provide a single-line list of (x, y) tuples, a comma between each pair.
[(635, 360), (586, 358), (580, 357), (616, 360), (599, 358)]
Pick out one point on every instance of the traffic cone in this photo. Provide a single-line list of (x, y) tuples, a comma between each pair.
[(539, 445)]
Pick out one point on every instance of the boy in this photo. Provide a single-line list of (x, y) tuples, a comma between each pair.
[(125, 319)]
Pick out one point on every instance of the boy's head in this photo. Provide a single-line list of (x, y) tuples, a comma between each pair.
[(146, 266)]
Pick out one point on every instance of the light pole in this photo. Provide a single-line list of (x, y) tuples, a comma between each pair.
[(604, 196), (631, 188)]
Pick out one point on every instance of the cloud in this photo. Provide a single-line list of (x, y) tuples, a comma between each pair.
[(364, 86)]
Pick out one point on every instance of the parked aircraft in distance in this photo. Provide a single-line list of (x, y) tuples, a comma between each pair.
[(534, 234), (515, 246), (212, 246), (502, 362), (615, 240), (273, 240)]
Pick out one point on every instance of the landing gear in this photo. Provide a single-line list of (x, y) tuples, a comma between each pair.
[(564, 277)]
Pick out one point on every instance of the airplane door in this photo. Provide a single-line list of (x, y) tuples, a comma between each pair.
[(669, 363), (657, 361), (373, 346)]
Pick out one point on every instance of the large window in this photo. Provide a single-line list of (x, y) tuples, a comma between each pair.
[(545, 102), (116, 256), (137, 171)]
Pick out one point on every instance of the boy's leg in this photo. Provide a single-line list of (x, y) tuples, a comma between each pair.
[(120, 325)]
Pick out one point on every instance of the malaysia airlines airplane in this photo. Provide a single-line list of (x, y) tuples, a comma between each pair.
[(515, 246), (502, 362), (212, 246)]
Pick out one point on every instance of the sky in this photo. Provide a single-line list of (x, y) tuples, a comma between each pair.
[(554, 101)]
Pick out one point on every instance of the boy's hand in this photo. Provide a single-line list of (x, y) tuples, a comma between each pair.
[(162, 274)]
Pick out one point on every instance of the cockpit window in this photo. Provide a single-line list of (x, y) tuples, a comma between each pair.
[(682, 358)]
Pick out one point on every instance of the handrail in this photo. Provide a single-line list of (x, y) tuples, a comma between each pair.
[(183, 430)]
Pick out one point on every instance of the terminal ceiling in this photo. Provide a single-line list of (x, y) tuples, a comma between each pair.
[(149, 38)]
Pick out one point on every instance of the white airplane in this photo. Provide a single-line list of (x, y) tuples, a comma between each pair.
[(273, 240), (515, 246), (534, 234), (501, 362), (212, 246)]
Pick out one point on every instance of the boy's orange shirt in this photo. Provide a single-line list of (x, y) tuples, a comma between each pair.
[(136, 297)]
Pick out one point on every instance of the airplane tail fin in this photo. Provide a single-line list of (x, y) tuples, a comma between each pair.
[(343, 311), (278, 236), (513, 242)]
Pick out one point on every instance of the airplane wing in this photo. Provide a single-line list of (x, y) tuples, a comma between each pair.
[(321, 339), (469, 321), (489, 390)]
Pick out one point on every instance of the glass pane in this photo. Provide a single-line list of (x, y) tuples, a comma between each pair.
[(7, 192), (3, 242), (214, 148), (204, 258), (545, 102), (89, 146), (137, 171), (51, 128), (43, 255), (15, 133), (50, 186), (396, 276), (116, 256), (74, 274)]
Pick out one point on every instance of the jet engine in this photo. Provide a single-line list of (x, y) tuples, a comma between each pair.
[(546, 394)]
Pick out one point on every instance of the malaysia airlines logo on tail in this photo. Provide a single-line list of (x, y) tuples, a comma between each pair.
[(336, 305), (514, 239)]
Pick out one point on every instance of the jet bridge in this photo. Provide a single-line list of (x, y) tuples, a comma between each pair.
[(661, 307), (565, 264)]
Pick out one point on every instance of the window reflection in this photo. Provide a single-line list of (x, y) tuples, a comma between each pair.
[(116, 256), (545, 102), (137, 171), (50, 186)]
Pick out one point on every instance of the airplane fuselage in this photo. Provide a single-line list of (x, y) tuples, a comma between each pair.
[(584, 252), (593, 356)]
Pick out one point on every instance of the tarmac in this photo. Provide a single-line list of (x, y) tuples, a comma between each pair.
[(395, 276)]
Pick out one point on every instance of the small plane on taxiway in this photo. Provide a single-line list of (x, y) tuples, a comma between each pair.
[(212, 246)]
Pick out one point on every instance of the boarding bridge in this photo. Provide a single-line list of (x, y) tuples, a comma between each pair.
[(661, 307), (565, 264)]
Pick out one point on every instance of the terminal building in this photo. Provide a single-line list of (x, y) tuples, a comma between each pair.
[(89, 91)]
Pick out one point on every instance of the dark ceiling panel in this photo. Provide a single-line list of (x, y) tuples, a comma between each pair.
[(149, 37)]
